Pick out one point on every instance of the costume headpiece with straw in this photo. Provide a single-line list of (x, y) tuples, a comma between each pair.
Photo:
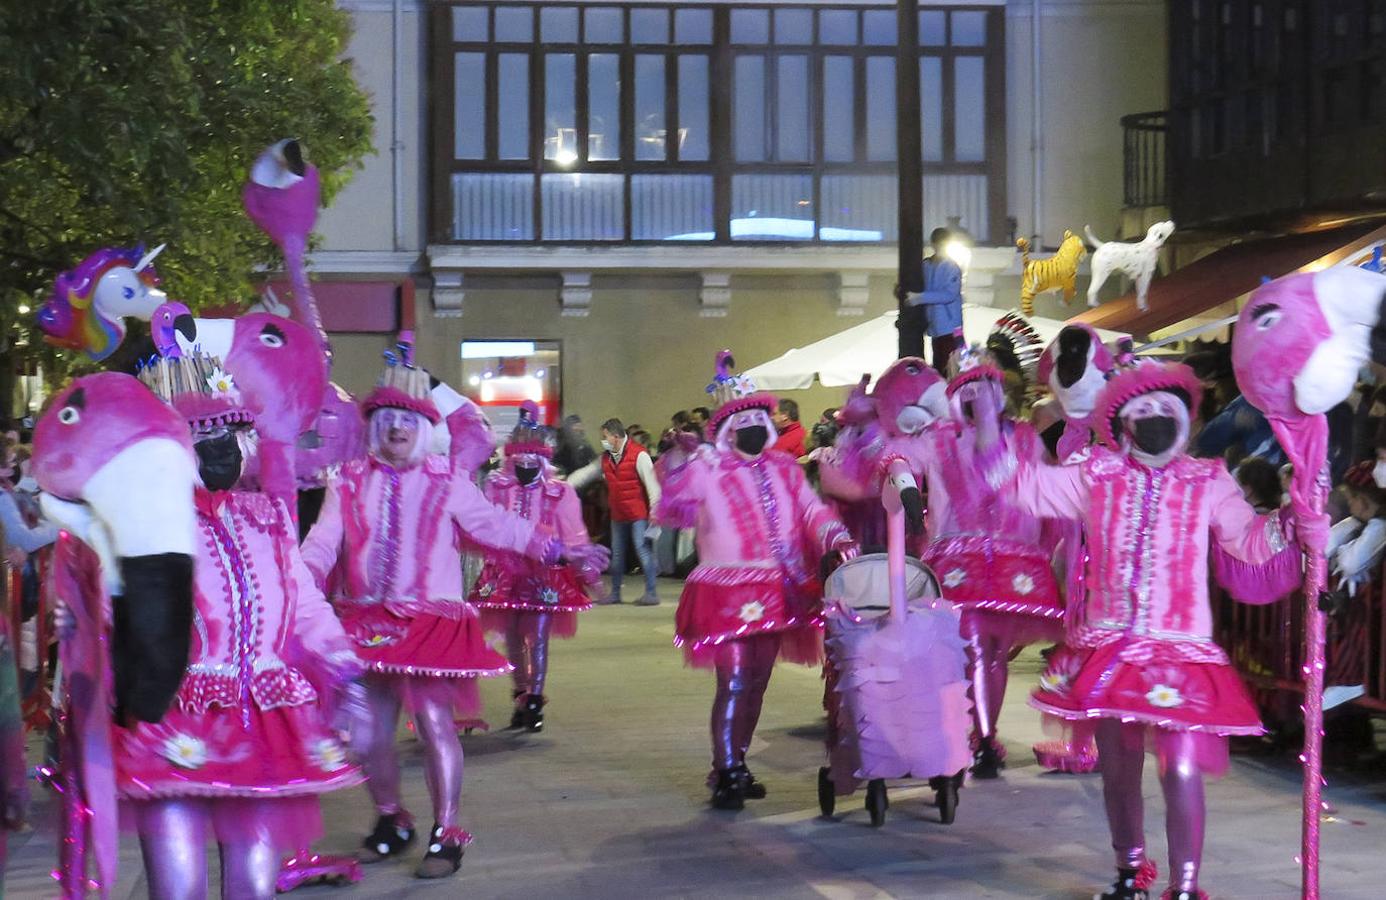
[(734, 394), (530, 437), (402, 385), (198, 388)]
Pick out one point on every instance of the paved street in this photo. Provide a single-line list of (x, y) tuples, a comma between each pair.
[(609, 802)]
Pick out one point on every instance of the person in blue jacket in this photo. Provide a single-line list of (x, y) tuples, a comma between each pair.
[(937, 311)]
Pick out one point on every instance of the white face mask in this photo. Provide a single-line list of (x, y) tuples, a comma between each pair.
[(606, 445), (1379, 473)]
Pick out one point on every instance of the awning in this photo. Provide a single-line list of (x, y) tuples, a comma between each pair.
[(1226, 274)]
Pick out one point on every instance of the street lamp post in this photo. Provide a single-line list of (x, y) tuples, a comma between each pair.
[(909, 157)]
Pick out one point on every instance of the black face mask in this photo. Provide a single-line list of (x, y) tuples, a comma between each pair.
[(219, 462), (752, 440), (526, 474), (1155, 435)]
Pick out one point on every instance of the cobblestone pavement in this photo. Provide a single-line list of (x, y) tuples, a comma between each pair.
[(609, 802)]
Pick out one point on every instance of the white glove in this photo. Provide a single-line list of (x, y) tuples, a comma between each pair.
[(652, 533)]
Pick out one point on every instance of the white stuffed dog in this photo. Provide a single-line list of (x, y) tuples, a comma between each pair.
[(1137, 261)]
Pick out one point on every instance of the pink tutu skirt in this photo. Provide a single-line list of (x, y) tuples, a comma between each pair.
[(421, 644), (1176, 685), (722, 603), (284, 751), (986, 573), (505, 589)]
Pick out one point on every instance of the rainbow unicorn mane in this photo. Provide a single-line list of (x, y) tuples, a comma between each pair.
[(70, 319)]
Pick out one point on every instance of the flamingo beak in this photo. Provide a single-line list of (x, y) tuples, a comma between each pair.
[(293, 157), (186, 325)]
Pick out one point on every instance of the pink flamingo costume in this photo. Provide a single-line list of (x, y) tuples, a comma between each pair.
[(394, 522), (755, 594), (523, 598), (1144, 658)]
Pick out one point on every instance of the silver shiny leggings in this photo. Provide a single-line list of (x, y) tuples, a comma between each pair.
[(1121, 754), (443, 763), (173, 841), (743, 672), (527, 645)]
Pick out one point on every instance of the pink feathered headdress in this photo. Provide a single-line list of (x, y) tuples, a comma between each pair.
[(1143, 377), (734, 394), (529, 437)]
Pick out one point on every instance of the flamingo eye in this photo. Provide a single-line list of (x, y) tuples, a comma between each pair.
[(272, 337), (912, 369), (69, 415), (1266, 317)]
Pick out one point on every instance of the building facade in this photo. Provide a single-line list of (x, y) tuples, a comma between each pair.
[(633, 186)]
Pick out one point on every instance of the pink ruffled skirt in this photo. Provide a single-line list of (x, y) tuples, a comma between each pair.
[(722, 603), (505, 589)]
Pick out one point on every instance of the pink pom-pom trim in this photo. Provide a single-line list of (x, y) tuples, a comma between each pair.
[(203, 410), (394, 398), (759, 400), (537, 448)]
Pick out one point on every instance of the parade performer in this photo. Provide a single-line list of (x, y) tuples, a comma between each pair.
[(754, 595), (1074, 367), (395, 521), (1144, 664), (987, 551), (243, 751), (522, 598)]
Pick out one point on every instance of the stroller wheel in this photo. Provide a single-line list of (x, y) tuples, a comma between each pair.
[(827, 796), (876, 801)]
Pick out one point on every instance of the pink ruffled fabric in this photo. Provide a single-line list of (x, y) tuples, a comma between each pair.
[(426, 644), (724, 603), (901, 708), (1260, 584)]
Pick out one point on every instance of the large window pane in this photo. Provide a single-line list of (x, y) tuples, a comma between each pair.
[(772, 207), (880, 108), (794, 26), (969, 29), (859, 208), (560, 110), (956, 196), (671, 208), (583, 207), (839, 109), (878, 27), (469, 107), (493, 207), (837, 26), (969, 109), (603, 106), (792, 96), (933, 29), (559, 25), (931, 107), (602, 25), (749, 108), (469, 24), (650, 130), (649, 26), (693, 26), (693, 125), (512, 105), (750, 26), (514, 23)]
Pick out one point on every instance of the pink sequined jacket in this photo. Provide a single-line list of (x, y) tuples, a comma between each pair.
[(552, 506), (399, 532), (752, 517), (1150, 532), (256, 605)]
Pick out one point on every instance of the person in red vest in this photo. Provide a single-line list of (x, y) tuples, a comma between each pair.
[(786, 419), (633, 490)]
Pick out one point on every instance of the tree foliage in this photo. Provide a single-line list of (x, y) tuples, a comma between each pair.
[(124, 121)]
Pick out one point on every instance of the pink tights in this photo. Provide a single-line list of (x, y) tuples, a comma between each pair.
[(442, 750), (743, 672), (988, 665), (527, 644), (1121, 755), (173, 841)]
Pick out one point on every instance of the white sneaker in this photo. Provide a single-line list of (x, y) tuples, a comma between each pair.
[(1339, 694)]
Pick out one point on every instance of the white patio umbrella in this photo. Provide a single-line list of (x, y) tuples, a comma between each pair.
[(841, 360)]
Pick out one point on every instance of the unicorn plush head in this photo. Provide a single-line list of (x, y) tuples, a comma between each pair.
[(89, 302)]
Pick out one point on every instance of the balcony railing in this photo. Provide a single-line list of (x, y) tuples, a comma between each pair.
[(1145, 164)]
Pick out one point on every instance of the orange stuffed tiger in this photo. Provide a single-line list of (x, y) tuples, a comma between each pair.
[(1058, 272)]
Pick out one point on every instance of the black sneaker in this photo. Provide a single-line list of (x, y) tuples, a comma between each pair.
[(392, 836), (987, 762), (730, 792), (754, 789), (533, 713)]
